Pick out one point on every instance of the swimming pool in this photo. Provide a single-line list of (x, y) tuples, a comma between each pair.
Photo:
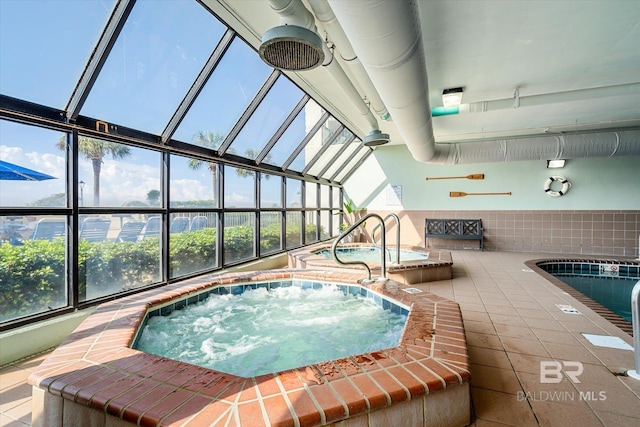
[(607, 282)]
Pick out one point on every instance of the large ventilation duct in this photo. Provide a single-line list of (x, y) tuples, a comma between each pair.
[(294, 11), (326, 19), (386, 36)]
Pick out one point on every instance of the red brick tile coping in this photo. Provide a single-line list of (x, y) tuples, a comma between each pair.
[(436, 267), (95, 377)]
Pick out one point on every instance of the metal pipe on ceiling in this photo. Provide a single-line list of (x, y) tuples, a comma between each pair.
[(386, 36)]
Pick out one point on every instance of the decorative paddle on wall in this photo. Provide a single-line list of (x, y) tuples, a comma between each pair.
[(462, 194), (472, 176)]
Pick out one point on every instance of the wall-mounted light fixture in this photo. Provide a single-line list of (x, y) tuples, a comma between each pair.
[(452, 97), (554, 164)]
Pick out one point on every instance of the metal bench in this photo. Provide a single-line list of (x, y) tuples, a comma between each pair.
[(466, 229)]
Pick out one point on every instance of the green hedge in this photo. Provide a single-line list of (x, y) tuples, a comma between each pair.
[(32, 275)]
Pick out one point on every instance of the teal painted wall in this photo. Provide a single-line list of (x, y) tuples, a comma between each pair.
[(597, 183)]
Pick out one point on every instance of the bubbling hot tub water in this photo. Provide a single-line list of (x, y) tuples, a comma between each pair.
[(260, 331)]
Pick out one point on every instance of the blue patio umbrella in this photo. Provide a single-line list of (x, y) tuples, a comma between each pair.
[(11, 172)]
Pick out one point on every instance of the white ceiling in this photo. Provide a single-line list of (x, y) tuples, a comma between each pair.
[(575, 54)]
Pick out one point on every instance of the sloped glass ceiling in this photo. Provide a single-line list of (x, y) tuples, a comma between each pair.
[(170, 69)]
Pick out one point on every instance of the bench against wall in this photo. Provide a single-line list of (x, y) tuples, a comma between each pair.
[(467, 229)]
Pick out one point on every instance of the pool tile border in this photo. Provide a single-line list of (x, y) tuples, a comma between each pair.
[(96, 368)]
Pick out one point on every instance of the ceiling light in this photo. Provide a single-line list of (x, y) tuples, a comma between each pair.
[(452, 97), (552, 164), (375, 138)]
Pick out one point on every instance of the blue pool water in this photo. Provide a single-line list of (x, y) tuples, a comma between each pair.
[(371, 253), (608, 284), (260, 330)]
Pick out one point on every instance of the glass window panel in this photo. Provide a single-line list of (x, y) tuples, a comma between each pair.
[(294, 229), (347, 168), (311, 195), (154, 62), (225, 96), (311, 226), (45, 45), (293, 136), (270, 232), (267, 118), (335, 223), (315, 144), (325, 231), (118, 252), (336, 199), (117, 175), (239, 232), (42, 184), (193, 183), (270, 191), (294, 193), (331, 152), (353, 146), (324, 196), (192, 242), (239, 188), (32, 265)]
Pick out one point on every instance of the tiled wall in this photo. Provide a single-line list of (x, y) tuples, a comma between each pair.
[(541, 231)]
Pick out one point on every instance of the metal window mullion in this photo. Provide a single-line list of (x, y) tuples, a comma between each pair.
[(220, 222), (334, 158), (198, 84), (251, 108), (346, 162), (73, 252), (164, 250), (257, 220), (283, 127), (305, 140), (324, 148), (108, 38)]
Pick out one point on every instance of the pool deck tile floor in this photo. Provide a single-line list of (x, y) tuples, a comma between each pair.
[(512, 325)]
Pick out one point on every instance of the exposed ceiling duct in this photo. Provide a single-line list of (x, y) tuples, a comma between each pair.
[(386, 36), (294, 12)]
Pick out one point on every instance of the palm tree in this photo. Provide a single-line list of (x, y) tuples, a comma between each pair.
[(210, 140), (95, 149)]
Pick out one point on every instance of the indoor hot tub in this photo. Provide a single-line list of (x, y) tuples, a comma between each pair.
[(95, 377), (417, 265)]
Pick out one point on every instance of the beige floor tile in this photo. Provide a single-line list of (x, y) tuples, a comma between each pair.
[(557, 414), (475, 316), (524, 346), (502, 408), (527, 363), (547, 336), (617, 397), (562, 351), (488, 357), (550, 325), (507, 320), (483, 340), (616, 420), (490, 378), (507, 330), (480, 327)]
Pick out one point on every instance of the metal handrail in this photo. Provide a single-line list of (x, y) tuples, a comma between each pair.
[(635, 320), (373, 235), (383, 264)]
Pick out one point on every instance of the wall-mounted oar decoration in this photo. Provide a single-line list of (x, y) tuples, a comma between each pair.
[(462, 194), (472, 176)]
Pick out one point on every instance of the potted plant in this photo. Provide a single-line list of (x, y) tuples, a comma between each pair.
[(351, 214)]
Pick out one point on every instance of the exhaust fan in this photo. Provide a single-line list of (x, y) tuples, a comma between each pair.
[(293, 48)]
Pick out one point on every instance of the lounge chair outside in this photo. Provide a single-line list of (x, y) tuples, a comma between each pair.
[(130, 231), (49, 229), (152, 227), (95, 229), (198, 223), (179, 224)]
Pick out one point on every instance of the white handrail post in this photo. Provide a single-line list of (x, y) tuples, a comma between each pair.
[(635, 319)]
